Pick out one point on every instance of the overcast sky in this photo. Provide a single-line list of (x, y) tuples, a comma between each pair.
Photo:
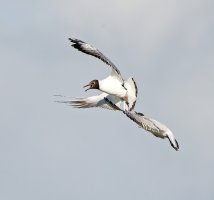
[(53, 151)]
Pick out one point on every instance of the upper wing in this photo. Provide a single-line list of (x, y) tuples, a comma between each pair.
[(148, 124), (88, 49), (94, 101)]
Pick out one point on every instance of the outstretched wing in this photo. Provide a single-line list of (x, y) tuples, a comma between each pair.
[(148, 124), (94, 101), (151, 125), (88, 49)]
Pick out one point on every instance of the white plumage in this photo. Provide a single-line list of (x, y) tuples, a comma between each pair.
[(113, 84)]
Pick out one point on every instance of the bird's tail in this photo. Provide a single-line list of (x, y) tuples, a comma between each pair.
[(172, 140)]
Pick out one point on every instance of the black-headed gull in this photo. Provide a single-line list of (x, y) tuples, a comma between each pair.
[(113, 84), (153, 126)]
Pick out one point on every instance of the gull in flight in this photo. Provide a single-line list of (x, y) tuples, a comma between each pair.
[(117, 93), (153, 126), (124, 91)]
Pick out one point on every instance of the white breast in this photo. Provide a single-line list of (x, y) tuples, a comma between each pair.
[(113, 86)]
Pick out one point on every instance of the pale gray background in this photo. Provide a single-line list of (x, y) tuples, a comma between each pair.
[(52, 151)]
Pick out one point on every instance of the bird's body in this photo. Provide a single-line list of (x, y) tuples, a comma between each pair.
[(113, 84)]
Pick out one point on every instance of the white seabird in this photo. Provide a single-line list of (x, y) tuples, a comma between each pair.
[(153, 126), (113, 84)]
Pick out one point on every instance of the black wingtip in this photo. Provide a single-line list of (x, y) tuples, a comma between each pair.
[(173, 146), (141, 114), (71, 40), (76, 41), (177, 145)]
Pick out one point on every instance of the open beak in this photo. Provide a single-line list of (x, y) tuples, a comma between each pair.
[(87, 86)]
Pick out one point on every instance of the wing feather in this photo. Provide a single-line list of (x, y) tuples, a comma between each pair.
[(90, 50), (94, 101)]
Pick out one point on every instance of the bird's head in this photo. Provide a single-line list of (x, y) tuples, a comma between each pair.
[(92, 85)]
